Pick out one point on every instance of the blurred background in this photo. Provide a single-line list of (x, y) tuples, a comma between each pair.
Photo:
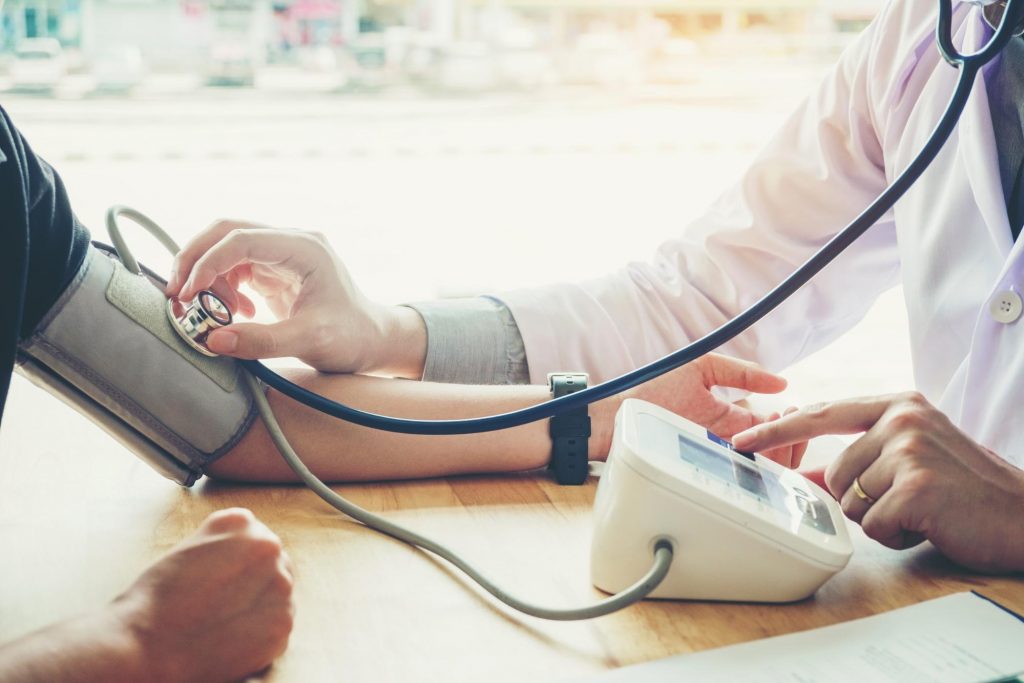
[(468, 46), (446, 147)]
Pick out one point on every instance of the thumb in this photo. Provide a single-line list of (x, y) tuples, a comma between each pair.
[(255, 340)]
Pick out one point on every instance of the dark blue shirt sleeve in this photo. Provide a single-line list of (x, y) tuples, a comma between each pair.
[(42, 243)]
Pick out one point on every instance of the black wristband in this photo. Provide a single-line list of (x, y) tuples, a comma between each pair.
[(569, 432)]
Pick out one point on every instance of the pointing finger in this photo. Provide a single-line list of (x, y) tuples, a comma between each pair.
[(841, 417)]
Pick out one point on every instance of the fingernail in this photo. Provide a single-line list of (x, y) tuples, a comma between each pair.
[(744, 439), (172, 283), (222, 341)]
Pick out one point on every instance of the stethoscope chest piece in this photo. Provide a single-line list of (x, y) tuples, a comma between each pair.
[(195, 320)]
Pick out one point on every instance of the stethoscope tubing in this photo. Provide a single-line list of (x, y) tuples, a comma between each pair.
[(663, 552), (969, 66)]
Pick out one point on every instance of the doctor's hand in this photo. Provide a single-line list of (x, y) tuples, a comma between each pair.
[(323, 318), (914, 476)]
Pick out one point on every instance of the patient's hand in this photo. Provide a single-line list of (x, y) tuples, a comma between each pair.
[(217, 607), (687, 391), (324, 319)]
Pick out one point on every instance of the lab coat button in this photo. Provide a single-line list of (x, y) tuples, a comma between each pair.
[(1006, 307)]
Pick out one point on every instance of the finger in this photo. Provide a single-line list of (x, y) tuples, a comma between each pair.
[(195, 248), (253, 340), (246, 307), (888, 522), (853, 461), (237, 303), (799, 451), (218, 260), (235, 278), (298, 250), (240, 275), (729, 418), (228, 520), (287, 565), (782, 455), (875, 482), (226, 293), (729, 372), (841, 417)]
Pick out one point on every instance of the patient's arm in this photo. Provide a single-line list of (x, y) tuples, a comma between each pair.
[(340, 451)]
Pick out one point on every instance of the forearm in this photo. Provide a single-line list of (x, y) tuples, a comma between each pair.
[(95, 647), (339, 451)]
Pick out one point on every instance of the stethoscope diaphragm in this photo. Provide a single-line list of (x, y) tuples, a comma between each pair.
[(196, 320)]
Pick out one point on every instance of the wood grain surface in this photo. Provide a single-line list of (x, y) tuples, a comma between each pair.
[(80, 517)]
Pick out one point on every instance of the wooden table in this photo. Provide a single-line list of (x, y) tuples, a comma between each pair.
[(79, 518)]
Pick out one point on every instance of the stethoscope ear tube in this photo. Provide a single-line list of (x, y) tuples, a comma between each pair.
[(1011, 24)]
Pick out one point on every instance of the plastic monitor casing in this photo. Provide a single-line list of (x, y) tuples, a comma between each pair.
[(727, 545)]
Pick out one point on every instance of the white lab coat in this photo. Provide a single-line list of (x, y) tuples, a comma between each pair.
[(948, 240)]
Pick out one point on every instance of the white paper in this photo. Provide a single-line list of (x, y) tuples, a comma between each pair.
[(960, 638)]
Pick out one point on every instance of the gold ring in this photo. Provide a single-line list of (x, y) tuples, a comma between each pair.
[(859, 491)]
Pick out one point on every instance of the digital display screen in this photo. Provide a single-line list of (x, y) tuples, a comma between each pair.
[(710, 455), (722, 467), (761, 484)]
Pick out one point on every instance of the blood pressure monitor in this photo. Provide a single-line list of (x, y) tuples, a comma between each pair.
[(743, 528)]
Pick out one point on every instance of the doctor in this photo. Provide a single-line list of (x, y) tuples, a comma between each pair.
[(942, 463)]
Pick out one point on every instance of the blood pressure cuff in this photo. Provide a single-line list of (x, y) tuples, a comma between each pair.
[(108, 349)]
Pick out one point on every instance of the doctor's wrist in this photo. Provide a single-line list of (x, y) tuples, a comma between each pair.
[(401, 350)]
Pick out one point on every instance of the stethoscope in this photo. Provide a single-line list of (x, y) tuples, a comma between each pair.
[(195, 320), (1006, 27)]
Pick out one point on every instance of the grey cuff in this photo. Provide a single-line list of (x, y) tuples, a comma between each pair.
[(472, 341)]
